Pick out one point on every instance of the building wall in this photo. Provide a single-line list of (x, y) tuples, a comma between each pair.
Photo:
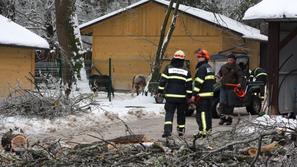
[(131, 38), (231, 40), (15, 64), (288, 89)]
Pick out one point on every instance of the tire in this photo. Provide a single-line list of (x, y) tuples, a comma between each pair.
[(214, 107), (255, 107)]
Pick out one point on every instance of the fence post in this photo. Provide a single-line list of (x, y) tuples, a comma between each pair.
[(110, 81)]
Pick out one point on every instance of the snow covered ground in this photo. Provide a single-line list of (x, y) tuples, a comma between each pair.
[(102, 113)]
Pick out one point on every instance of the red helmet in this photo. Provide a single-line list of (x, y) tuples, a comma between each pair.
[(202, 53)]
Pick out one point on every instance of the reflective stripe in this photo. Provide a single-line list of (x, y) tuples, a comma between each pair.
[(189, 91), (199, 80), (189, 79), (177, 77), (168, 123), (175, 95), (203, 119), (261, 74), (206, 94), (161, 88), (209, 77), (181, 126), (196, 89), (165, 76), (262, 97)]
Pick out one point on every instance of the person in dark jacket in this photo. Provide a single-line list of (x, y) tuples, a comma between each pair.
[(203, 92), (176, 85), (230, 73)]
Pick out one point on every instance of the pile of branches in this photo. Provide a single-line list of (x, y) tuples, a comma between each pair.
[(47, 101), (240, 146)]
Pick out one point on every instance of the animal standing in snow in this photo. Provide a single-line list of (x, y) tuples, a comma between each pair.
[(100, 83), (138, 84)]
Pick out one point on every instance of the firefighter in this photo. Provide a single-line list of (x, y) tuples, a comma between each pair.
[(203, 92), (259, 74), (230, 73), (176, 85)]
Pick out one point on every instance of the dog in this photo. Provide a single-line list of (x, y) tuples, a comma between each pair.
[(100, 83)]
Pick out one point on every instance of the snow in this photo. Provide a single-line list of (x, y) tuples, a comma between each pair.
[(276, 121), (272, 9), (103, 112), (218, 19), (16, 35)]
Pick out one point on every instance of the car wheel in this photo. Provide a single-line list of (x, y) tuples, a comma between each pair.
[(214, 108), (255, 107)]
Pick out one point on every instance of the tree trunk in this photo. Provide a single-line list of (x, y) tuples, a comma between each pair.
[(14, 142), (164, 40), (64, 11), (172, 27), (156, 66)]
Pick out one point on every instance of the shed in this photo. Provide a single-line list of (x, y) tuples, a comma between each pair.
[(130, 36), (17, 57), (282, 51)]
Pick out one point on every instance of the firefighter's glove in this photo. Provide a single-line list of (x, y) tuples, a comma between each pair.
[(192, 106)]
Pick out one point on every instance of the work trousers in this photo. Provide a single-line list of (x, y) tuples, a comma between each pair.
[(169, 115), (228, 100), (204, 115)]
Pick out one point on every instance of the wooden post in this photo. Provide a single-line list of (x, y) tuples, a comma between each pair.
[(110, 81), (273, 65)]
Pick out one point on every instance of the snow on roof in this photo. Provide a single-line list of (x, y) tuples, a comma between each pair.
[(218, 19), (16, 35), (273, 10)]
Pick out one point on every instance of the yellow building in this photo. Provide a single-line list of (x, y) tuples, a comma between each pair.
[(130, 36), (17, 57)]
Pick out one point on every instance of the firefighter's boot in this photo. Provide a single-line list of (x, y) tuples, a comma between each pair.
[(222, 120), (229, 121), (180, 131)]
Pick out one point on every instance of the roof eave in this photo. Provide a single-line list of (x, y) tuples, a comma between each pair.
[(271, 19), (120, 11), (23, 46)]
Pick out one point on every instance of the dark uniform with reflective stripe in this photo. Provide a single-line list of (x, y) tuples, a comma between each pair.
[(176, 84), (260, 74), (203, 87)]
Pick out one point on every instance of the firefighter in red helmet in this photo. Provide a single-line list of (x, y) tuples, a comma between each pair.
[(203, 92)]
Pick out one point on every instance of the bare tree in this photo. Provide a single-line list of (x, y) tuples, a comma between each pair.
[(164, 40)]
